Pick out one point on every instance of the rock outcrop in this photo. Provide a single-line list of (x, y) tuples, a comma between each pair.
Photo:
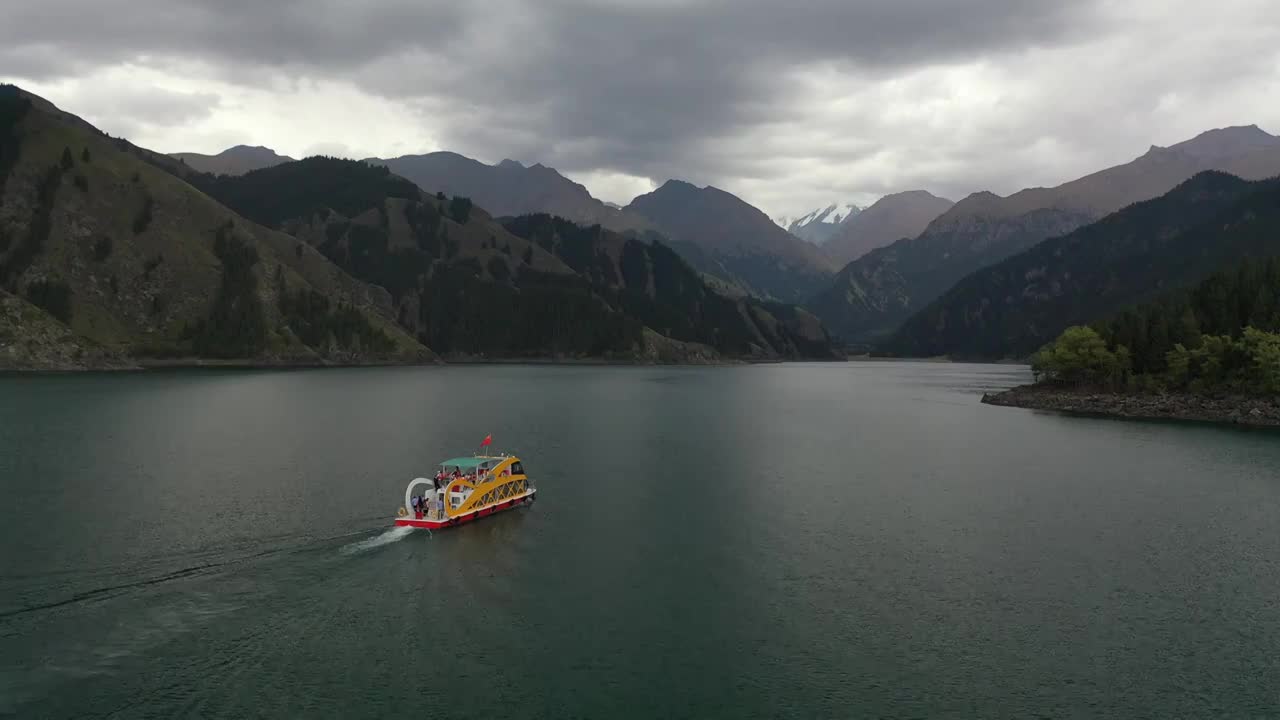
[(1230, 409)]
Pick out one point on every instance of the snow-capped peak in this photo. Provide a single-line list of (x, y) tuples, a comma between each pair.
[(819, 225)]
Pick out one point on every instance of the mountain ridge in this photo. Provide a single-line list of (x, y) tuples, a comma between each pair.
[(115, 256), (1012, 308), (894, 216), (819, 225), (509, 188), (530, 286), (873, 295), (723, 235), (137, 266), (235, 160)]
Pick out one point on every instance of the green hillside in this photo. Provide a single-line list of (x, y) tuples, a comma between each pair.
[(133, 260), (32, 339)]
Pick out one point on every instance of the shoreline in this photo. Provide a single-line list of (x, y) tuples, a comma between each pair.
[(936, 359), (552, 360), (1237, 410), (139, 365)]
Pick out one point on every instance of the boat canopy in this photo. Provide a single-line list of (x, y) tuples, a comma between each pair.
[(470, 463)]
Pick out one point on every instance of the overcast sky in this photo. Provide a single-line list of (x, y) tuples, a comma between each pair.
[(791, 105)]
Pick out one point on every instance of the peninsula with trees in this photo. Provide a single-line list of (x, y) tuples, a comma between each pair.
[(1208, 353)]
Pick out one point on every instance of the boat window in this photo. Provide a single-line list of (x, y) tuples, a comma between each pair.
[(517, 469)]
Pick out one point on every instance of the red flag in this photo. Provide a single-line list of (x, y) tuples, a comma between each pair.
[(487, 440)]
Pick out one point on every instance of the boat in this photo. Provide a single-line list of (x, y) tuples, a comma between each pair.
[(466, 489)]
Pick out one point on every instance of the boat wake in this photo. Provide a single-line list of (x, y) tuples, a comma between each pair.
[(182, 571), (386, 538)]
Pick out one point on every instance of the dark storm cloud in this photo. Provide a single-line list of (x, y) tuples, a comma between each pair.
[(632, 86), (50, 38), (642, 87), (786, 103)]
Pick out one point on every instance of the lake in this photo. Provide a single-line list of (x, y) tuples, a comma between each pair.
[(800, 540)]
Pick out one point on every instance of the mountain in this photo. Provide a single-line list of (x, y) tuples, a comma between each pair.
[(892, 217), (819, 225), (510, 188), (724, 236), (873, 295), (764, 260), (107, 260), (537, 287), (652, 282), (32, 339), (236, 160), (115, 256), (1012, 308)]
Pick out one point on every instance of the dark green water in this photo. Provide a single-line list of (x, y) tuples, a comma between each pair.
[(808, 541)]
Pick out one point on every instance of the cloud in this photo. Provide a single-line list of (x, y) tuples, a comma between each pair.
[(143, 105), (311, 35), (790, 104), (617, 188)]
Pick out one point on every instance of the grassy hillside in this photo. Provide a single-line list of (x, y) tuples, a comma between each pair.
[(32, 339), (132, 259)]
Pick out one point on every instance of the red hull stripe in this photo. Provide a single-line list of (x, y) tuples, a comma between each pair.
[(461, 519)]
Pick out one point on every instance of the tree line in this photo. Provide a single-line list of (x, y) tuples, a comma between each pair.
[(1220, 335)]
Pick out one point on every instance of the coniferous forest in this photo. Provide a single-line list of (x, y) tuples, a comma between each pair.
[(1223, 335)]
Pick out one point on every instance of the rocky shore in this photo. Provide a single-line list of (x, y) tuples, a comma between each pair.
[(1231, 409)]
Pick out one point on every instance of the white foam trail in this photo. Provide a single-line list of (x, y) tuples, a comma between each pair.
[(386, 538)]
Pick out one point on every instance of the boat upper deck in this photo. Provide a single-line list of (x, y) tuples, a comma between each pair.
[(469, 484)]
